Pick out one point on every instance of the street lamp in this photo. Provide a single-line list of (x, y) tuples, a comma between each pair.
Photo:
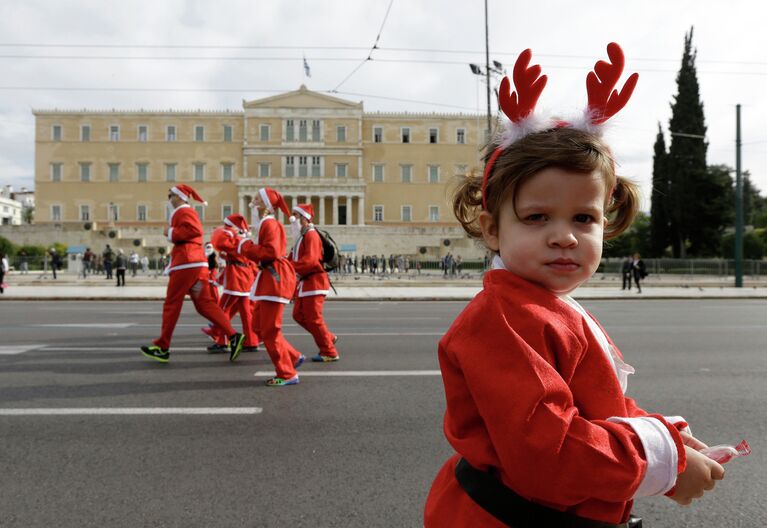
[(496, 70)]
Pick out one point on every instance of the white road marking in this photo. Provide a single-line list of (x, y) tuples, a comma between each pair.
[(85, 325), (361, 373), (110, 411), (8, 350)]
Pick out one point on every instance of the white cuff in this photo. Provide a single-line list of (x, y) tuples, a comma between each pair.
[(660, 452), (673, 420), (239, 246), (170, 234)]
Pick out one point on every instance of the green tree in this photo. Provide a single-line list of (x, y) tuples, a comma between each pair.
[(715, 211), (6, 246), (635, 239), (659, 220), (686, 158), (28, 215), (754, 204), (753, 246)]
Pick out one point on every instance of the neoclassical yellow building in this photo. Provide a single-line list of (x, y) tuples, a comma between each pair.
[(379, 182)]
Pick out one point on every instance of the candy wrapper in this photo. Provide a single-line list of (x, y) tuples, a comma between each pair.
[(725, 453)]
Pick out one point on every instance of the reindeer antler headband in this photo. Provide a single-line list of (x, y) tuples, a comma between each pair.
[(604, 101)]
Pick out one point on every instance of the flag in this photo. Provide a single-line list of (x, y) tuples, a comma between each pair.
[(307, 70)]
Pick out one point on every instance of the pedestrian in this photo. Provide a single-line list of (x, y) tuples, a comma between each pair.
[(120, 266), (626, 273), (133, 261), (535, 389), (274, 285), (638, 270), (237, 280), (55, 261), (107, 256), (3, 271), (313, 285), (24, 262), (144, 264), (188, 272), (214, 271), (88, 257)]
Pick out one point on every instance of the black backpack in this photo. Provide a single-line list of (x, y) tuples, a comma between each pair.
[(329, 250)]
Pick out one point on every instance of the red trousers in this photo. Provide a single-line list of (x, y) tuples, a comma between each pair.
[(267, 323), (307, 312), (192, 281), (233, 304)]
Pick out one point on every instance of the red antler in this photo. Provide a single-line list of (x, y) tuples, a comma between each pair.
[(529, 83), (604, 101)]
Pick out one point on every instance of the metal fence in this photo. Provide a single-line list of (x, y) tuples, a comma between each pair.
[(668, 266)]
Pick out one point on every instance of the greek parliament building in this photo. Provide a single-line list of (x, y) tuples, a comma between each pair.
[(379, 182)]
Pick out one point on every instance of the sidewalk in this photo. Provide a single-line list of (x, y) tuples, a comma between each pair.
[(425, 287)]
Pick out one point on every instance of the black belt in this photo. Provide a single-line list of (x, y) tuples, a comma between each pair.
[(233, 263), (517, 512)]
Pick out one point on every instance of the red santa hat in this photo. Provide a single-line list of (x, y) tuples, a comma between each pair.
[(185, 192), (237, 221), (272, 199), (305, 210)]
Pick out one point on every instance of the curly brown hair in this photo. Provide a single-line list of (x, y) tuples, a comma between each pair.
[(565, 148)]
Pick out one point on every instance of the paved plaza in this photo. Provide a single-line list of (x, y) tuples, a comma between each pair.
[(94, 434)]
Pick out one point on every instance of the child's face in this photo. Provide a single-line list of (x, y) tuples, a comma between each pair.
[(555, 237)]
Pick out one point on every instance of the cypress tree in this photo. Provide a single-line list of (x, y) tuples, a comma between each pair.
[(659, 218)]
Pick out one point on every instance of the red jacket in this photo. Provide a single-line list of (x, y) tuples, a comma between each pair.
[(276, 280), (186, 234), (532, 395), (307, 261), (238, 275)]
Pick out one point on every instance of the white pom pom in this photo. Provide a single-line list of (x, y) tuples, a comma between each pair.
[(292, 219)]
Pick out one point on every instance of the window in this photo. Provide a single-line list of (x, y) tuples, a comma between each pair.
[(141, 213), (85, 213), (56, 172), (433, 173), (341, 170), (461, 170), (433, 135), (316, 166), (227, 133), (377, 134), (200, 210), (85, 172), (378, 213), (406, 213), (290, 166), (56, 132), (289, 130), (226, 171), (170, 172), (264, 170), (303, 170), (56, 213), (170, 133), (114, 172), (434, 213), (114, 132), (199, 172), (378, 173), (143, 133), (142, 170), (226, 210), (406, 173), (199, 133), (302, 130), (460, 136), (405, 133), (113, 212), (85, 133), (316, 136), (265, 132), (341, 134)]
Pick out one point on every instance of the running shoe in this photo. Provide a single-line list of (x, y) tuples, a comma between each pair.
[(236, 341), (319, 358), (156, 353), (208, 331), (250, 348), (335, 339), (280, 382), (215, 348), (299, 361)]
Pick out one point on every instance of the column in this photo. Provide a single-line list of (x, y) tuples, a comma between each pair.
[(361, 210), (335, 209), (322, 209)]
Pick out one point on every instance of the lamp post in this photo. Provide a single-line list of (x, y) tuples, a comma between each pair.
[(738, 205), (496, 69)]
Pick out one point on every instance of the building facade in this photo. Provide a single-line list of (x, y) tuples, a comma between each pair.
[(379, 182), (10, 208)]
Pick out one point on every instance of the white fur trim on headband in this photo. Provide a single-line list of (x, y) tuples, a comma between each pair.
[(511, 132), (265, 198)]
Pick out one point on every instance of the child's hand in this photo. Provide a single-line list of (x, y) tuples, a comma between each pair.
[(691, 441), (699, 477)]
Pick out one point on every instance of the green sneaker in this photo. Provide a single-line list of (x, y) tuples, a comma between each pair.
[(280, 382), (156, 353), (235, 345)]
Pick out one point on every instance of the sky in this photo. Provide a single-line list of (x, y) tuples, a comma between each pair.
[(198, 54)]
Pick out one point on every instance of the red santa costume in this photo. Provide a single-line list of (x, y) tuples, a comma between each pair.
[(188, 270), (535, 396), (237, 278), (273, 287), (313, 286)]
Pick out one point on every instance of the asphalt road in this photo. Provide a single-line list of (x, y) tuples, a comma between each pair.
[(356, 451)]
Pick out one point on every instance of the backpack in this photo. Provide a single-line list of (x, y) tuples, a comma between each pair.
[(329, 250)]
